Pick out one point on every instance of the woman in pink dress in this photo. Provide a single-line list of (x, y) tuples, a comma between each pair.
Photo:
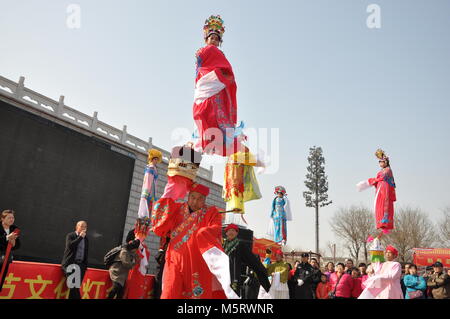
[(385, 193)]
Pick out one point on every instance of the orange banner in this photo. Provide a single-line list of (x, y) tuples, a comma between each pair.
[(27, 280)]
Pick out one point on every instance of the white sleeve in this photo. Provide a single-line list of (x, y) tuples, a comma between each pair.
[(362, 186), (287, 208)]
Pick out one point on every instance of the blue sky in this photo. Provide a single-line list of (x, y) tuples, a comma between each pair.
[(312, 69)]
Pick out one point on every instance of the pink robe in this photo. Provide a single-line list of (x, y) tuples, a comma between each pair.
[(384, 198), (384, 283)]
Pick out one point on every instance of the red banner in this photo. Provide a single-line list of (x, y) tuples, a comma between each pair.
[(428, 256), (27, 280)]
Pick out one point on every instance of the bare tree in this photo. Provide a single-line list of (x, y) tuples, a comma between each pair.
[(412, 229), (444, 227), (354, 225)]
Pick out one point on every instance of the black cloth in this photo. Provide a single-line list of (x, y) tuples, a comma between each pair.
[(251, 288), (3, 246), (72, 242), (161, 260), (116, 291), (241, 258), (291, 284), (304, 272), (402, 284), (315, 280)]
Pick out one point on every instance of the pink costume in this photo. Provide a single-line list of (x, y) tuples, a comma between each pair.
[(384, 283), (384, 198)]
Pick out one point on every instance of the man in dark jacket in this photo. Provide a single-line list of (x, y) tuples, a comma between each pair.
[(240, 257), (76, 253), (316, 275), (8, 235), (439, 282), (304, 277)]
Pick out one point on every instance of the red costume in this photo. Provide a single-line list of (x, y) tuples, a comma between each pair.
[(384, 195), (384, 198), (215, 106), (195, 258)]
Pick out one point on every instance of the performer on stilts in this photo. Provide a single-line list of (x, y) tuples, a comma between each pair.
[(142, 225), (280, 214), (385, 193), (240, 184), (148, 194), (215, 107)]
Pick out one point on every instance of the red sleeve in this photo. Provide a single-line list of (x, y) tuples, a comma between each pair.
[(210, 235), (164, 216)]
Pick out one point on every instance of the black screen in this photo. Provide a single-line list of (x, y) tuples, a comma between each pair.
[(52, 177)]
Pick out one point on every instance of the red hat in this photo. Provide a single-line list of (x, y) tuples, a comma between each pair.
[(232, 226), (199, 188), (392, 250), (278, 252)]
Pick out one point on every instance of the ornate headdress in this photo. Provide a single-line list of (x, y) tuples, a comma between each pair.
[(214, 24), (280, 189), (381, 155), (154, 153)]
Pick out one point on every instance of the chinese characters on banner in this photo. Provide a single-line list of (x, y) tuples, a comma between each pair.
[(27, 280)]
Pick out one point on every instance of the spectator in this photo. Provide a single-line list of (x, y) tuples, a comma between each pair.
[(426, 275), (303, 275), (341, 283), (363, 271), (316, 275), (323, 288), (76, 253), (291, 282), (406, 272), (415, 284), (240, 257), (7, 235), (348, 266), (439, 282), (329, 269), (123, 263), (357, 283)]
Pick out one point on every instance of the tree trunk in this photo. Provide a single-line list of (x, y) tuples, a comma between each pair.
[(317, 228)]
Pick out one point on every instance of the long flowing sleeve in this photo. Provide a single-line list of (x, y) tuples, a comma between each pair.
[(210, 236), (287, 208), (394, 273), (164, 216)]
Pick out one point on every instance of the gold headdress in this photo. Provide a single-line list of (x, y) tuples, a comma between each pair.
[(214, 24), (381, 155), (154, 153)]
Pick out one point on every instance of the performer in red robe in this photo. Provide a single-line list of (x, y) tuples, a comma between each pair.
[(215, 107), (385, 193), (196, 266)]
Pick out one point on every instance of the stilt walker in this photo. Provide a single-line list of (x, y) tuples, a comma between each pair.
[(385, 193), (280, 214)]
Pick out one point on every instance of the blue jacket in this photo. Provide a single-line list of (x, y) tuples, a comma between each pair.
[(413, 283)]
